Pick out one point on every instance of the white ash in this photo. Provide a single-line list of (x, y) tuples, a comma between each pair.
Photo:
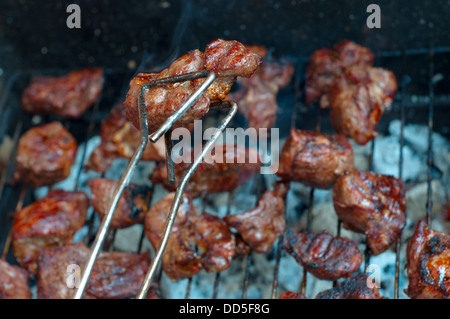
[(416, 137)]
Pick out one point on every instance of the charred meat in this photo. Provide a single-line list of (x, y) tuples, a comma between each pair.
[(131, 208), (47, 223), (261, 226), (373, 205), (45, 155), (323, 255), (228, 59), (315, 159), (357, 286), (68, 95), (224, 171), (428, 263), (13, 282)]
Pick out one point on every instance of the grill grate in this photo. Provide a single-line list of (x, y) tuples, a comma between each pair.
[(13, 197)]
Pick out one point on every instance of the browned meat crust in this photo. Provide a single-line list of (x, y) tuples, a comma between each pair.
[(358, 98), (323, 255), (371, 204), (68, 95), (261, 226), (47, 223), (428, 263), (115, 275), (228, 59), (315, 159), (45, 155)]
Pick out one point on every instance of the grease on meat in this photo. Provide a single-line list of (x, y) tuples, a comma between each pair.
[(428, 263), (371, 204)]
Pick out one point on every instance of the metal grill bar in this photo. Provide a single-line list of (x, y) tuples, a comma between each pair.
[(310, 204), (217, 279), (247, 261), (400, 167), (429, 204)]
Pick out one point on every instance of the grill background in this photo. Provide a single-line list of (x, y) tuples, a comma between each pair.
[(168, 32)]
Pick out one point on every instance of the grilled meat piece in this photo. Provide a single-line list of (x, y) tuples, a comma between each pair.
[(215, 241), (373, 205), (323, 255), (68, 95), (325, 64), (131, 208), (292, 295), (47, 223), (45, 155), (114, 275), (13, 282), (261, 226), (257, 95), (180, 259), (117, 275), (230, 167), (315, 159), (428, 263), (358, 98), (228, 59), (119, 139), (355, 287)]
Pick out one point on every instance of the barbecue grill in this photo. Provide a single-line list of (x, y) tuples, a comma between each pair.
[(419, 61)]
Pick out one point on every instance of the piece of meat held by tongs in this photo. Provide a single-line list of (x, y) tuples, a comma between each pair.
[(156, 103)]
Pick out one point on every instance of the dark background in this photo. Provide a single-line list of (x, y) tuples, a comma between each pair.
[(123, 34)]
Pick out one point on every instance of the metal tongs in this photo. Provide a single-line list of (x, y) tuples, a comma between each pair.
[(165, 130)]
